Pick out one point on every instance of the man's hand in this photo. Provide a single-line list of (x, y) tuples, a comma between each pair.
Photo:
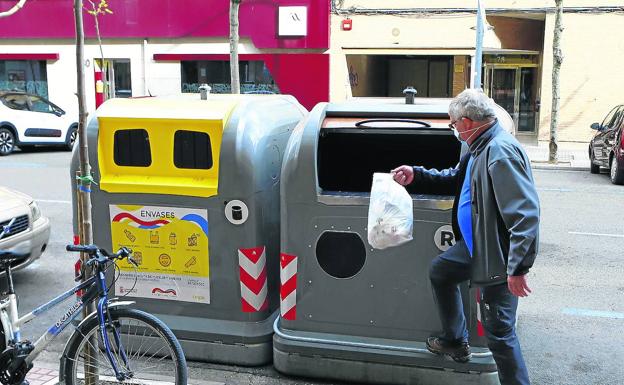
[(518, 285), (403, 175)]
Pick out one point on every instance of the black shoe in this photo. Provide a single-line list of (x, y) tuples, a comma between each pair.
[(459, 353)]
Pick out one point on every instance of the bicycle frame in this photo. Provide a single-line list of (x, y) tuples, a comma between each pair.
[(96, 287)]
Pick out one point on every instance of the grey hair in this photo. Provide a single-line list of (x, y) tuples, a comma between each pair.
[(473, 104)]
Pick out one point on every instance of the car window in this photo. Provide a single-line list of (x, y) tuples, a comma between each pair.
[(619, 122), (40, 105), (617, 119), (15, 101), (611, 118)]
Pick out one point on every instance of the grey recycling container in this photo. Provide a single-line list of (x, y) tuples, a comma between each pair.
[(192, 186), (350, 312)]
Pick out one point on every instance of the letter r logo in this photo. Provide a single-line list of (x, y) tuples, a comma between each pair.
[(444, 237)]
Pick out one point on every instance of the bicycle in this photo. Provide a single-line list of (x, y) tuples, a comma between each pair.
[(115, 343)]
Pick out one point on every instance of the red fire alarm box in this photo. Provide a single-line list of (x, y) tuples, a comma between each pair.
[(347, 24)]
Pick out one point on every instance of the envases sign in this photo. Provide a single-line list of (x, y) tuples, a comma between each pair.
[(170, 245)]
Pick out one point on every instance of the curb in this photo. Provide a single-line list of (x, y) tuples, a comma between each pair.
[(559, 166)]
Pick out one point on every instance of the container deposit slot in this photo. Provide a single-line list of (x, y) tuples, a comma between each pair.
[(351, 150)]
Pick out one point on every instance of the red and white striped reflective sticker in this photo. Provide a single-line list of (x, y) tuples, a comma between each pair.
[(253, 279), (288, 286), (480, 330)]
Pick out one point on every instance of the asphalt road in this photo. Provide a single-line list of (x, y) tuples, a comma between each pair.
[(571, 327)]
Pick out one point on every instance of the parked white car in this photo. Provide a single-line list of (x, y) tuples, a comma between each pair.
[(22, 226), (28, 120)]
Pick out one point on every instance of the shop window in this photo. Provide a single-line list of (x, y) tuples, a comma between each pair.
[(192, 149), (254, 77), (132, 148), (24, 76), (389, 75), (123, 83)]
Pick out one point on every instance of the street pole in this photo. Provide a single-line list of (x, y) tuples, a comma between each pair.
[(479, 45)]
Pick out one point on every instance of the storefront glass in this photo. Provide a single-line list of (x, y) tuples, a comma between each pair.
[(389, 75), (515, 89), (24, 76), (254, 76), (528, 100)]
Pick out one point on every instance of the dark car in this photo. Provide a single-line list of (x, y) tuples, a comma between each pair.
[(606, 148)]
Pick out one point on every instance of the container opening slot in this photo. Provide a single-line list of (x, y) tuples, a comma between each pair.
[(347, 158)]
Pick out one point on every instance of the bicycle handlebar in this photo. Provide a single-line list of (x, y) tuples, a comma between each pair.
[(99, 255), (89, 249)]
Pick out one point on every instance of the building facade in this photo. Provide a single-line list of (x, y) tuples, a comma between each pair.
[(319, 50), (378, 48), (163, 47)]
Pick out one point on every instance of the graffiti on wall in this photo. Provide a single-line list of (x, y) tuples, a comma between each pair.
[(224, 88), (353, 77)]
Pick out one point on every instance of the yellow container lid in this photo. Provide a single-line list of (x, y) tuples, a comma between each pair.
[(162, 145)]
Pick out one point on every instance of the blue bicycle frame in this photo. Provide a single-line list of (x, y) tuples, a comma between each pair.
[(95, 287)]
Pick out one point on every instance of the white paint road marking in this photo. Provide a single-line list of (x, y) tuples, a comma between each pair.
[(593, 313), (22, 165), (596, 234)]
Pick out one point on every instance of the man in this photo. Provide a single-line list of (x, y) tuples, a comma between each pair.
[(496, 224)]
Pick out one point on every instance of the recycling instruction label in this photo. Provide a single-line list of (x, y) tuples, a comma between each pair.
[(170, 245)]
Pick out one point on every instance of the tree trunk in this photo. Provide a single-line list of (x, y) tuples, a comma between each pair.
[(84, 181), (557, 60), (14, 9), (234, 74)]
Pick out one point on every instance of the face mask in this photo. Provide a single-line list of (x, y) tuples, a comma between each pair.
[(456, 133)]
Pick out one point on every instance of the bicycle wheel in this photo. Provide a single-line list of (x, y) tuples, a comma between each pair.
[(153, 354)]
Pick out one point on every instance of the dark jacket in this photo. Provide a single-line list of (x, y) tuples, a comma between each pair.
[(505, 205)]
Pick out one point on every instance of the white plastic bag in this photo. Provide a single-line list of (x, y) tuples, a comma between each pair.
[(390, 213)]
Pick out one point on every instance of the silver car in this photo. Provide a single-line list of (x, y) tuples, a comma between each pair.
[(22, 226)]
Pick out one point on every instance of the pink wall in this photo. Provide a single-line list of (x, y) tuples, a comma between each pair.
[(304, 76), (54, 19)]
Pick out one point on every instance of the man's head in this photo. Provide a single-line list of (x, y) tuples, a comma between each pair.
[(471, 113)]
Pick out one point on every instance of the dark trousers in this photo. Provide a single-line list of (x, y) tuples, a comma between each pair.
[(499, 307)]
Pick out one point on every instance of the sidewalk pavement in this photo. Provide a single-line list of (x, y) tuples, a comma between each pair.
[(42, 376), (573, 156)]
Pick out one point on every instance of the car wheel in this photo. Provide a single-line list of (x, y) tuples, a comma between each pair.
[(71, 139), (7, 141), (617, 174), (593, 167)]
